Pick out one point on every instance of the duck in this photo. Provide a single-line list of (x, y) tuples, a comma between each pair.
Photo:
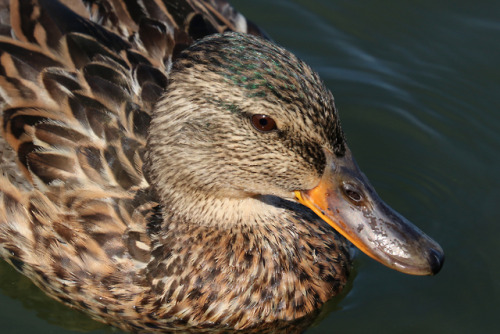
[(167, 167)]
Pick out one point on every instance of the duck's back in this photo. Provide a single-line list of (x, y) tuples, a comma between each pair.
[(77, 87)]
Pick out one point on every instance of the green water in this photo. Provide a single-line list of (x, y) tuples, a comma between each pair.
[(417, 84)]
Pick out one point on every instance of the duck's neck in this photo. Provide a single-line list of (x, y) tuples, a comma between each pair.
[(244, 261), (220, 213)]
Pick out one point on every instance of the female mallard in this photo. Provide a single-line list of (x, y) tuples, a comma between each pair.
[(157, 189)]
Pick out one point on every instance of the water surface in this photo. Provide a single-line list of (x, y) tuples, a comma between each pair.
[(417, 85)]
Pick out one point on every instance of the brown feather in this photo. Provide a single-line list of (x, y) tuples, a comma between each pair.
[(80, 215)]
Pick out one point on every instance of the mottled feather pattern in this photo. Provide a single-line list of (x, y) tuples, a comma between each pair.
[(79, 215), (253, 273)]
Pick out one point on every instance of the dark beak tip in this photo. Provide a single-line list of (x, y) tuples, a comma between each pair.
[(436, 260)]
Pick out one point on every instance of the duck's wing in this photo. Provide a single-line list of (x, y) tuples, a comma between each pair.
[(77, 88), (192, 19)]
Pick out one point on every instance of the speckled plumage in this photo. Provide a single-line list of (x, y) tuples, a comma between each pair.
[(137, 187), (94, 227)]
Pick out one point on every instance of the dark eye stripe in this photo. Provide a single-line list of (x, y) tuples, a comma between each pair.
[(263, 123)]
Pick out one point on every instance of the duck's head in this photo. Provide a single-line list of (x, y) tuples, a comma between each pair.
[(244, 118)]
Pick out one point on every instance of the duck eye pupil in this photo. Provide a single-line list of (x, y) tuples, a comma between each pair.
[(263, 123)]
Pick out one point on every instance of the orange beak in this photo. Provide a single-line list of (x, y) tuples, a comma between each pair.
[(345, 200)]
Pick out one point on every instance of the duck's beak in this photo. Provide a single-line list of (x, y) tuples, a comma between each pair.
[(346, 200)]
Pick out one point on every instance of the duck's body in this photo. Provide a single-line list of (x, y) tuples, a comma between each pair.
[(134, 188)]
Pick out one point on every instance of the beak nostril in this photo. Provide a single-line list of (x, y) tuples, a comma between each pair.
[(352, 193)]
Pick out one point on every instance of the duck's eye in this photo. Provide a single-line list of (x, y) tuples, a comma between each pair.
[(263, 123)]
